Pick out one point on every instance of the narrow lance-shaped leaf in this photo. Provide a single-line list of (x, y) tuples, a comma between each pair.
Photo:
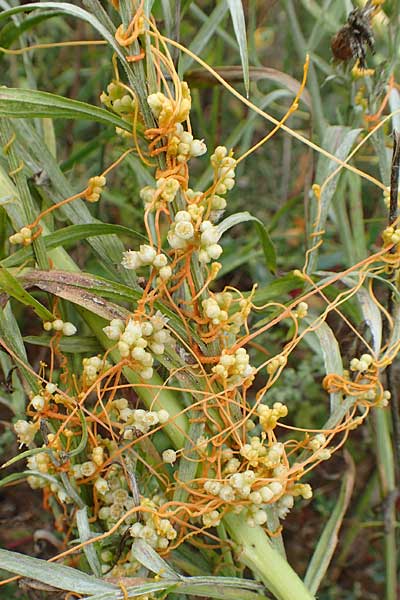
[(267, 245), (239, 25), (19, 103)]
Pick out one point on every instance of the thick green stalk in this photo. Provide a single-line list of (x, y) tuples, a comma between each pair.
[(257, 553)]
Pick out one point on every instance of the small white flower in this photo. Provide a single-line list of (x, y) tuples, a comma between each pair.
[(169, 456)]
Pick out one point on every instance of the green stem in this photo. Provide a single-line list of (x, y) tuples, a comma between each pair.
[(257, 553)]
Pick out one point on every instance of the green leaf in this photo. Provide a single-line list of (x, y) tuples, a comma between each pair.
[(64, 578), (68, 285), (239, 25), (267, 245), (330, 351), (278, 288), (85, 534), (20, 103), (12, 31), (23, 455), (149, 558), (70, 235), (74, 344), (10, 336), (329, 538), (203, 35), (13, 288)]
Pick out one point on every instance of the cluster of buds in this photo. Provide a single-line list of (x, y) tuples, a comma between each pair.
[(391, 235), (301, 310), (276, 363), (379, 398), (224, 170), (386, 196), (64, 327), (259, 455), (23, 236), (147, 256), (154, 530), (182, 146), (286, 502), (117, 100), (95, 188), (316, 442), (269, 417), (137, 420), (135, 337), (234, 369), (361, 364), (214, 311), (214, 204), (166, 110), (93, 367), (164, 193), (217, 310)]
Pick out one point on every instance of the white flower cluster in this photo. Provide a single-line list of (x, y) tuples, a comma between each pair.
[(147, 255), (66, 328), (166, 110), (42, 464), (155, 531), (209, 248), (138, 419), (211, 519), (234, 369), (269, 417), (23, 236), (181, 232), (362, 364), (95, 187), (238, 487), (182, 146), (114, 497), (39, 462), (248, 491), (93, 367), (26, 431), (224, 170), (140, 341), (164, 193), (213, 310), (85, 469)]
